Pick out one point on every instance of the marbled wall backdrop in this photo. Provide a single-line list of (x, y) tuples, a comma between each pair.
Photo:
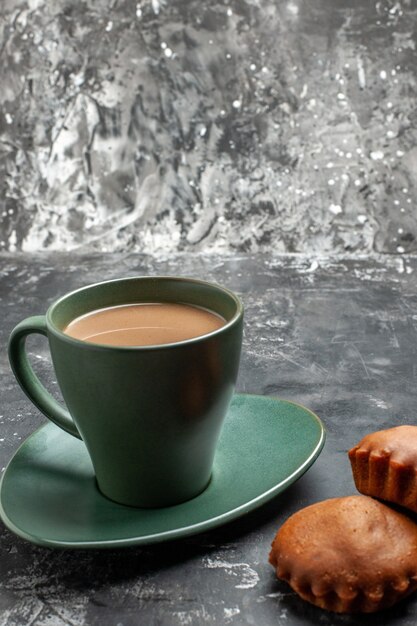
[(208, 125)]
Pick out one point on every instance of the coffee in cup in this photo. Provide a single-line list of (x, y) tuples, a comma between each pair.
[(144, 324)]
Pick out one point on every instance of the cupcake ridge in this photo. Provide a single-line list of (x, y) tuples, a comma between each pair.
[(384, 465)]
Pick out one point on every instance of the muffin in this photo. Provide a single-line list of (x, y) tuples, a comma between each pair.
[(348, 555), (384, 465)]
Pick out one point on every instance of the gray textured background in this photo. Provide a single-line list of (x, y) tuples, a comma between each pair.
[(221, 126)]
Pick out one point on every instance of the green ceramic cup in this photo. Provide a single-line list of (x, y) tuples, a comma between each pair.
[(150, 416)]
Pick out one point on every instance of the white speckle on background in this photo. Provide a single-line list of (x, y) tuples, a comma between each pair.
[(230, 613), (195, 616), (377, 155), (313, 267), (383, 75), (304, 91), (381, 404), (335, 208), (12, 241), (292, 8), (249, 578), (361, 74)]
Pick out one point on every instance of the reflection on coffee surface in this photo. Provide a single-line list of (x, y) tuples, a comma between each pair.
[(144, 324)]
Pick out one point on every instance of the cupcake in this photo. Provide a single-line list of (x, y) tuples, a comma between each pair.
[(384, 465), (348, 555)]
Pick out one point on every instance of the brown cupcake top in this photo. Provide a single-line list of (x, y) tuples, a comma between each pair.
[(398, 443), (348, 554)]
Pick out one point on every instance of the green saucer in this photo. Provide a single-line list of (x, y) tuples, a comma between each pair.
[(48, 493)]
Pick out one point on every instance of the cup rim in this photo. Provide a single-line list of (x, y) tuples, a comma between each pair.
[(52, 328)]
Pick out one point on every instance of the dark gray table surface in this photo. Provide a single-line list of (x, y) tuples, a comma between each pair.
[(336, 335)]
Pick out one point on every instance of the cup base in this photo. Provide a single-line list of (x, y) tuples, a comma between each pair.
[(154, 503)]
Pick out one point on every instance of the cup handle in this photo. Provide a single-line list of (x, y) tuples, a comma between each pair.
[(27, 378)]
